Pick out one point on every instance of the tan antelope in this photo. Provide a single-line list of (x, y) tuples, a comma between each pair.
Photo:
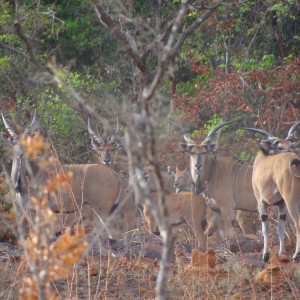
[(179, 207), (106, 152), (184, 182), (184, 207), (94, 192), (276, 181), (225, 182)]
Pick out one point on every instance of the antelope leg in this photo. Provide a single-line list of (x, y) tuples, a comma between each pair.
[(265, 230), (281, 226)]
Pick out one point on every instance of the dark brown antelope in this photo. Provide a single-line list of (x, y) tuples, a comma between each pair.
[(226, 183), (94, 192), (276, 181)]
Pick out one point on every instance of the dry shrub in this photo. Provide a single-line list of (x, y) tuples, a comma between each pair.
[(48, 262), (66, 251), (145, 264), (30, 291)]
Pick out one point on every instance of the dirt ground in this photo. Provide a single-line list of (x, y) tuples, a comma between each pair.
[(127, 269)]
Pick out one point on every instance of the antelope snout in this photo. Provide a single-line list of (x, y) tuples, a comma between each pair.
[(106, 161), (197, 167), (176, 186)]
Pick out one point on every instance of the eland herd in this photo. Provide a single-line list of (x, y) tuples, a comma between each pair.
[(211, 193)]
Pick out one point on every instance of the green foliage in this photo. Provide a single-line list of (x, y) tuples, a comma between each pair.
[(5, 62), (195, 134), (245, 155), (281, 9), (61, 123), (250, 64), (95, 63), (267, 61), (65, 127), (212, 122), (5, 13)]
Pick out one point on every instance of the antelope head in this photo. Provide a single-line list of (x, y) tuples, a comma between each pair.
[(104, 149), (20, 165), (198, 150), (183, 180), (199, 159), (274, 145)]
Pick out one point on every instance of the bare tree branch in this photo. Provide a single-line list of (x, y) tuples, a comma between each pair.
[(148, 94), (14, 50), (114, 26), (28, 44), (187, 32), (47, 75)]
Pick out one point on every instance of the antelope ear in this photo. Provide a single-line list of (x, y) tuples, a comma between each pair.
[(185, 148), (7, 138), (267, 147), (211, 148), (182, 147), (295, 146)]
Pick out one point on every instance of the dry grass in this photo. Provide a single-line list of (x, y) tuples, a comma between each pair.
[(126, 271)]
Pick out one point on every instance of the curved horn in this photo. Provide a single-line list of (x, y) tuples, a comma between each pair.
[(113, 137), (189, 141), (291, 132), (8, 128), (273, 139), (213, 131), (262, 132), (94, 134), (31, 128)]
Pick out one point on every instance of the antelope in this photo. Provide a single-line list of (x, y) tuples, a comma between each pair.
[(106, 149), (183, 207), (276, 181), (93, 194), (184, 182), (225, 182)]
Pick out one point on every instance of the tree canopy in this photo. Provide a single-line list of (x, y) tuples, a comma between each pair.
[(97, 57)]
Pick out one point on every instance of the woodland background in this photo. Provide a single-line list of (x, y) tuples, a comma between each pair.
[(241, 60), (161, 67)]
